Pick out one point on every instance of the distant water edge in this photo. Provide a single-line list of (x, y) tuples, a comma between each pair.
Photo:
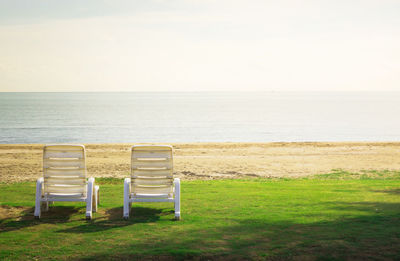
[(199, 117)]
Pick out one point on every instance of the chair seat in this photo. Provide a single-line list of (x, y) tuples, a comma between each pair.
[(65, 196), (138, 195)]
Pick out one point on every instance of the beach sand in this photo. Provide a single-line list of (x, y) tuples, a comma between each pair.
[(218, 160)]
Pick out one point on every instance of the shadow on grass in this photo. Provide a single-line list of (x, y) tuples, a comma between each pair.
[(389, 191), (20, 217), (112, 218), (369, 235)]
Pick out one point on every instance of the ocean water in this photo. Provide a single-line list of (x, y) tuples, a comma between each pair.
[(199, 117)]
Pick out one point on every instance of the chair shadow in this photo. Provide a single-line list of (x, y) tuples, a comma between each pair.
[(389, 191), (112, 218), (103, 220), (56, 214)]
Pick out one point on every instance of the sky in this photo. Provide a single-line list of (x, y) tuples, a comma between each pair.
[(199, 45)]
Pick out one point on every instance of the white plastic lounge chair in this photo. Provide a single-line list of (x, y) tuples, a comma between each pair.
[(152, 180), (64, 179)]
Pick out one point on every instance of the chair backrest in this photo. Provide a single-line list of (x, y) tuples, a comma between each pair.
[(152, 170), (64, 170)]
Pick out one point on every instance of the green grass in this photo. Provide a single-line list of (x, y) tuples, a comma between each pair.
[(324, 218)]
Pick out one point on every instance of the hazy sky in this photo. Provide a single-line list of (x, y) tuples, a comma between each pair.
[(199, 45)]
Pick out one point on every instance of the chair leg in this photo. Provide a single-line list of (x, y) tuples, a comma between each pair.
[(89, 199), (38, 201), (98, 195), (127, 203), (177, 202), (37, 211), (95, 198)]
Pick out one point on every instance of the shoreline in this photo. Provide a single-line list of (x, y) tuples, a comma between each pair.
[(216, 160)]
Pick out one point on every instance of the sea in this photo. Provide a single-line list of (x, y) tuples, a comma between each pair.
[(137, 117)]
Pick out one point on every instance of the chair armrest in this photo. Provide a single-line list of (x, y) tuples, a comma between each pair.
[(127, 194), (91, 180), (177, 198), (90, 187), (127, 185), (177, 186), (39, 195), (177, 181), (39, 186)]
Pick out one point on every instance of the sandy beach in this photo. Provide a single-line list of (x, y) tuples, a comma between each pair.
[(218, 160)]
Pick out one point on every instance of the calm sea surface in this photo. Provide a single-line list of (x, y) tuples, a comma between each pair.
[(199, 117)]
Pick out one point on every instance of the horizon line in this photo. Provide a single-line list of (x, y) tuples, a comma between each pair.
[(205, 91)]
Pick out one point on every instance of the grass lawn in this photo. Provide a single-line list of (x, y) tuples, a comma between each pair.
[(328, 217)]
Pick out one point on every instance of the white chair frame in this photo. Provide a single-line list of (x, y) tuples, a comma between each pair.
[(130, 198), (92, 197)]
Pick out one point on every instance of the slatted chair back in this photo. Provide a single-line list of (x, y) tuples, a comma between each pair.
[(64, 171), (152, 171)]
